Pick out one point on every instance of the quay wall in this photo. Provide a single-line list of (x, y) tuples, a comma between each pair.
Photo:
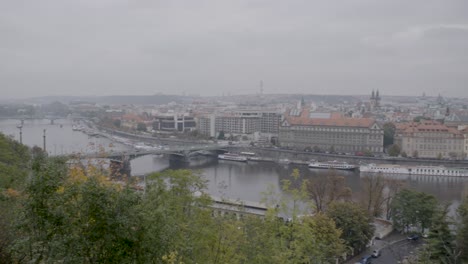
[(276, 154)]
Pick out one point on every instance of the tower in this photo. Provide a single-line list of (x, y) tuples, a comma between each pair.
[(375, 100)]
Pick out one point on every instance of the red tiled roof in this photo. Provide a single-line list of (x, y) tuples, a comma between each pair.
[(336, 119), (425, 126)]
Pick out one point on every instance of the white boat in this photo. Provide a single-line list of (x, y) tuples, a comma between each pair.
[(337, 165), (232, 156), (284, 161), (77, 127), (415, 170)]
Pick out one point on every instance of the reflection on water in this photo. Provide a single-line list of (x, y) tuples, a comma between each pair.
[(247, 181)]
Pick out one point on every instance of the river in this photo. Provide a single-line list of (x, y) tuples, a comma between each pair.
[(229, 179)]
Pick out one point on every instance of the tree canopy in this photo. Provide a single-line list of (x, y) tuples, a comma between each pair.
[(413, 209)]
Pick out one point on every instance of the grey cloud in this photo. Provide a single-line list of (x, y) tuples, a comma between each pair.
[(210, 46)]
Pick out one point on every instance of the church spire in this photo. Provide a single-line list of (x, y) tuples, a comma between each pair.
[(373, 95)]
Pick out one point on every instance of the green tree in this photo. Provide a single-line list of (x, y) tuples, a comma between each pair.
[(77, 216), (389, 133), (394, 150), (404, 154), (303, 238), (141, 127), (175, 218), (354, 222), (368, 153), (462, 229), (221, 135), (117, 123), (415, 154), (413, 208), (440, 242), (14, 169)]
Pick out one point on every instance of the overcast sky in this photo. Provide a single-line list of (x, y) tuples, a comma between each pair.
[(210, 47)]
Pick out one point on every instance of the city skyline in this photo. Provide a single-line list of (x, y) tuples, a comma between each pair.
[(211, 48)]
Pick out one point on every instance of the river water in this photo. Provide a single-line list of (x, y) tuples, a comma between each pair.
[(228, 179)]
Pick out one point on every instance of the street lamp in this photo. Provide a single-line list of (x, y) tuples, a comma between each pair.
[(20, 127)]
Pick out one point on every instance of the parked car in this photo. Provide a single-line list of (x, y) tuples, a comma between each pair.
[(376, 253), (413, 237)]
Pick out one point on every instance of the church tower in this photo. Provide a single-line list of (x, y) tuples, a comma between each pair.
[(375, 100)]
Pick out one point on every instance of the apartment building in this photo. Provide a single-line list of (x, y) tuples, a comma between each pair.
[(302, 129), (240, 122), (173, 122), (429, 139)]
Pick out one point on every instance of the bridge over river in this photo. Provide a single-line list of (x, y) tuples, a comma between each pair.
[(177, 152)]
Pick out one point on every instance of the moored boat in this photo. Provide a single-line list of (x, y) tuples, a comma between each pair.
[(415, 170), (232, 156), (337, 165)]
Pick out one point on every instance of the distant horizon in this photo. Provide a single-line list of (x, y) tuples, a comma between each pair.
[(226, 95)]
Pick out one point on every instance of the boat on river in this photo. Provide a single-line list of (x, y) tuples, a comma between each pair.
[(232, 156), (415, 170), (337, 165)]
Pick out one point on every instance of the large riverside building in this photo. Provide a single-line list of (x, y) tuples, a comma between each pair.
[(429, 139), (240, 122), (302, 129), (174, 122)]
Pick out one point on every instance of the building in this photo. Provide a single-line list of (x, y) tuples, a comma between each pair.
[(465, 145), (174, 122), (206, 125), (303, 129), (429, 139), (240, 122), (375, 100)]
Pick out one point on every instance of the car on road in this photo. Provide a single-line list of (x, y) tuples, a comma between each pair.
[(413, 237), (376, 253)]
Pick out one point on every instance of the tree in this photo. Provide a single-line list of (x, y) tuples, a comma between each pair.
[(394, 150), (415, 154), (354, 222), (14, 164), (462, 229), (304, 238), (393, 187), (413, 208), (141, 126), (389, 133), (117, 123), (404, 154), (373, 191), (440, 241), (328, 189), (221, 135), (77, 216), (368, 153)]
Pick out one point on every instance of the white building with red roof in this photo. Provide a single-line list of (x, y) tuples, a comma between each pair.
[(304, 129), (429, 139)]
